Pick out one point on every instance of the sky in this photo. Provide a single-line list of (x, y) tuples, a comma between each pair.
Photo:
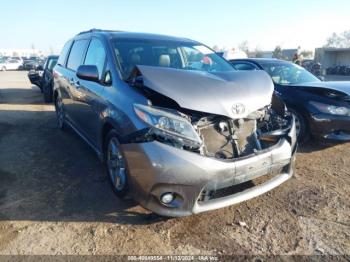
[(225, 23)]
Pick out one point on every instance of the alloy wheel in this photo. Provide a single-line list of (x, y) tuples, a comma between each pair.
[(116, 165), (59, 112)]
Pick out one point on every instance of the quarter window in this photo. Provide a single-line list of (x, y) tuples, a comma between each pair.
[(64, 53), (96, 55), (76, 54)]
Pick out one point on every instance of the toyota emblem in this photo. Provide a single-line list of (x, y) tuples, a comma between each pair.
[(238, 109)]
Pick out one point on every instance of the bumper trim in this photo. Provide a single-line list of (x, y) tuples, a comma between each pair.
[(242, 196)]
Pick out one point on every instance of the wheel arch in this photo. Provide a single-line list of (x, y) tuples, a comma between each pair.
[(107, 126)]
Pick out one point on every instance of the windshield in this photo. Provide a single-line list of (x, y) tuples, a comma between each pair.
[(288, 73), (171, 54)]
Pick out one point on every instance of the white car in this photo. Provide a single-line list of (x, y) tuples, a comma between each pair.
[(11, 64), (2, 64)]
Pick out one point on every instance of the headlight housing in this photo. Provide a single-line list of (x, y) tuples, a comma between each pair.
[(168, 126), (331, 109)]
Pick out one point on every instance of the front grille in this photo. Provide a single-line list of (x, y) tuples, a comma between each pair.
[(208, 195)]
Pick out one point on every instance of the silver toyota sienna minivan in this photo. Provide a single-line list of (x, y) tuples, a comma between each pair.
[(177, 127)]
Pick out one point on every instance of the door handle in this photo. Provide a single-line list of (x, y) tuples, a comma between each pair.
[(74, 83), (77, 84)]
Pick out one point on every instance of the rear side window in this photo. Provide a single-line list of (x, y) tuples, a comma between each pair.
[(96, 55), (64, 53), (76, 54)]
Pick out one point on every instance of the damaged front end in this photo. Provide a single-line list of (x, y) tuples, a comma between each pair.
[(214, 154), (211, 135)]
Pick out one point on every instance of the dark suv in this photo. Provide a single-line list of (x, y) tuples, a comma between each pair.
[(177, 127)]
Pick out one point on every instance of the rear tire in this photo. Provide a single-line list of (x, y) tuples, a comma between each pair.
[(303, 134), (116, 165), (60, 113)]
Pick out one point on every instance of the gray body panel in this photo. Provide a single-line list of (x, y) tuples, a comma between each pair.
[(154, 167), (211, 92)]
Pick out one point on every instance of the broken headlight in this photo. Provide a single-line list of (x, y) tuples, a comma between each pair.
[(168, 126)]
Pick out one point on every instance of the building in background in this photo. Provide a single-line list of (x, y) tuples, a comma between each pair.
[(331, 57), (287, 54)]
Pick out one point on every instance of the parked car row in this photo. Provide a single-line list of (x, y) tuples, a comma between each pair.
[(42, 77), (20, 63), (338, 70), (312, 66)]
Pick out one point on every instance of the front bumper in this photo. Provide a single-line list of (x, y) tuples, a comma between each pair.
[(330, 127), (155, 168)]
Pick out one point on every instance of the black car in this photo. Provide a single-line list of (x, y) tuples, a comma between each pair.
[(43, 78), (321, 109), (32, 63)]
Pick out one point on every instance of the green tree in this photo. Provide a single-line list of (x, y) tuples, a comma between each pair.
[(259, 53), (215, 48), (244, 46), (307, 53), (339, 41), (277, 53)]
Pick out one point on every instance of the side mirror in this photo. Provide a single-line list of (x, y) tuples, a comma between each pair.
[(88, 72), (40, 68)]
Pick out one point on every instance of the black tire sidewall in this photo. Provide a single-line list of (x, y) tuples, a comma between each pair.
[(119, 193), (304, 134), (63, 127), (47, 90)]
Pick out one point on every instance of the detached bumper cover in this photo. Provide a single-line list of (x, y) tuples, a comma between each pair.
[(330, 127)]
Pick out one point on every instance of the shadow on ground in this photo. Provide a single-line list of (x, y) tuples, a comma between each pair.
[(316, 145), (19, 96), (50, 175)]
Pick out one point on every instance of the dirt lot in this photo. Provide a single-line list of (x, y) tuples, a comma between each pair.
[(55, 198)]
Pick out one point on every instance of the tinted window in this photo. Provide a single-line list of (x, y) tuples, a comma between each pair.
[(96, 55), (64, 53), (288, 73), (76, 54), (243, 66)]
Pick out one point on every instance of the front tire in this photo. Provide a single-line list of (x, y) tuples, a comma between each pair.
[(301, 126), (116, 165)]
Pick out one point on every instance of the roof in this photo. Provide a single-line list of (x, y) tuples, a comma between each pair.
[(335, 49), (134, 35), (259, 60)]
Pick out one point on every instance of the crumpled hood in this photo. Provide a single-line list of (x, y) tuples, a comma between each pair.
[(342, 86), (219, 93)]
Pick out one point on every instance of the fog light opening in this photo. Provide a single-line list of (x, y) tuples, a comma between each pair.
[(167, 198)]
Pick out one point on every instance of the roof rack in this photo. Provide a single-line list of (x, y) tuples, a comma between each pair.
[(93, 30)]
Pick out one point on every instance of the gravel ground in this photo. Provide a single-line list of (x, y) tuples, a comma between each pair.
[(55, 198)]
